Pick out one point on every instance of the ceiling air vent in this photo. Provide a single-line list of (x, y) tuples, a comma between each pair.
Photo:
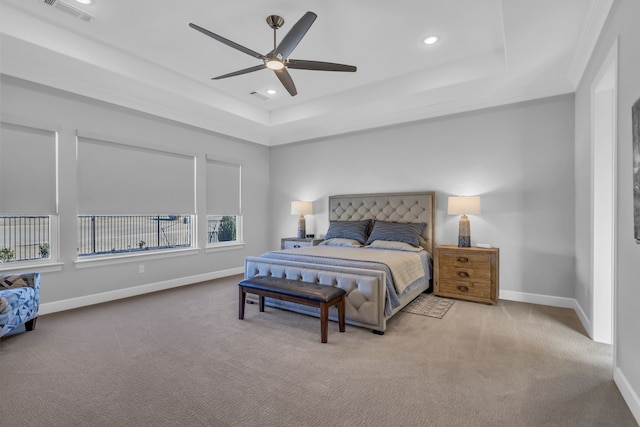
[(69, 9), (259, 95)]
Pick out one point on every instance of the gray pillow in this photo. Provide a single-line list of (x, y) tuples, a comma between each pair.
[(12, 282), (356, 230), (397, 232)]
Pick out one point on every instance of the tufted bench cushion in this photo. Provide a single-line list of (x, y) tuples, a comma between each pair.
[(365, 299), (307, 293)]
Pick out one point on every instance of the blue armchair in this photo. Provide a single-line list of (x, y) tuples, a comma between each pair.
[(19, 302)]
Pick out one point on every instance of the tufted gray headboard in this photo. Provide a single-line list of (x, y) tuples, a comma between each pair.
[(395, 207)]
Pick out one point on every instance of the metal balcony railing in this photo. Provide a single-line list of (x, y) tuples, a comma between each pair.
[(100, 235), (24, 238)]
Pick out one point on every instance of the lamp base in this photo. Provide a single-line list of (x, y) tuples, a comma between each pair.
[(302, 228), (464, 232)]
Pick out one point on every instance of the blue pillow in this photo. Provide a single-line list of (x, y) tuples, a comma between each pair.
[(397, 232), (356, 230)]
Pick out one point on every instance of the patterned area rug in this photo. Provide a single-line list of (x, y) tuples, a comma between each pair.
[(429, 305)]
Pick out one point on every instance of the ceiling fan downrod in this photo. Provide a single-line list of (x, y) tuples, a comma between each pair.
[(275, 22)]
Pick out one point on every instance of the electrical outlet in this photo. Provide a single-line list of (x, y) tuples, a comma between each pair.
[(141, 268)]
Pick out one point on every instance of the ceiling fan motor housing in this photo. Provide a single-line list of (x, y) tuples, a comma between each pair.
[(275, 21)]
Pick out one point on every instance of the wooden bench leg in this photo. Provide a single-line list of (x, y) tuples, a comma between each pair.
[(241, 301), (324, 321), (261, 303), (341, 309)]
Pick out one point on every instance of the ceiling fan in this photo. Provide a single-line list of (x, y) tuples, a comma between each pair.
[(278, 59)]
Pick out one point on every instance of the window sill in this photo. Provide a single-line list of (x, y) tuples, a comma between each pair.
[(225, 247), (39, 267), (103, 260)]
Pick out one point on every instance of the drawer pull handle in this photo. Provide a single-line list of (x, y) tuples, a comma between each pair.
[(296, 246), (463, 288), (463, 274), (463, 259)]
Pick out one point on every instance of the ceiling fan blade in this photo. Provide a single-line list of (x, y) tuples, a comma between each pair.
[(228, 42), (287, 81), (293, 37), (240, 72), (300, 64)]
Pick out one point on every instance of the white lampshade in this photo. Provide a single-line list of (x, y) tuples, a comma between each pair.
[(301, 208), (464, 205)]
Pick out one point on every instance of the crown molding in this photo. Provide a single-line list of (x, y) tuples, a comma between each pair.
[(594, 24)]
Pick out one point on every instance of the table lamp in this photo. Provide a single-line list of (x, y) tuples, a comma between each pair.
[(464, 205), (302, 209)]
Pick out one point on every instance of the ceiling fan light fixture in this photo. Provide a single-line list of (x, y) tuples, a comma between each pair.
[(85, 1), (431, 40), (272, 91), (274, 64)]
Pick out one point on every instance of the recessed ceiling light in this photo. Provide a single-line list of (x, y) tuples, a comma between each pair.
[(431, 40), (84, 1), (272, 91)]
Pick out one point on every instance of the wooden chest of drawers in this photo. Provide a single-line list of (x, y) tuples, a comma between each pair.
[(467, 273)]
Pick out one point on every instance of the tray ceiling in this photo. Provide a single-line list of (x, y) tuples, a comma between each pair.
[(142, 54)]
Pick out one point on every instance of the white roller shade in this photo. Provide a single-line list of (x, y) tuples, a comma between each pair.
[(223, 188), (28, 171), (119, 179)]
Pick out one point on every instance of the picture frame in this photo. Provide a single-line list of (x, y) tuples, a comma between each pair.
[(635, 124)]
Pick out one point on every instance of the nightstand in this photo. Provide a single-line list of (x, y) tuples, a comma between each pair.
[(467, 273), (294, 242)]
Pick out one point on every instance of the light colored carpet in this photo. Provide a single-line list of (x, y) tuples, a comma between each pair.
[(429, 305), (182, 358)]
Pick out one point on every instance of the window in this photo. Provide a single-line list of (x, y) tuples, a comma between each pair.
[(224, 220), (222, 228), (24, 238), (133, 199), (117, 234), (28, 193)]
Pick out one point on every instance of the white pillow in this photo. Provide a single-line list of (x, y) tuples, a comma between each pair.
[(394, 246), (342, 242)]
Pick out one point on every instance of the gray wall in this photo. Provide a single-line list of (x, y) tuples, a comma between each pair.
[(519, 158), (622, 24), (41, 107)]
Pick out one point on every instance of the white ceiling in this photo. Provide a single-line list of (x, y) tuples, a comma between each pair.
[(142, 54)]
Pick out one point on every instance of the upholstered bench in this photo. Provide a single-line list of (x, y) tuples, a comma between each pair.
[(311, 294)]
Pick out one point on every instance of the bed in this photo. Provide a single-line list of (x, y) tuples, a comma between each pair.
[(382, 274)]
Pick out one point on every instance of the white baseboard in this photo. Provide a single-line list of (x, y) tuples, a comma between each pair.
[(586, 322), (628, 393), (538, 299), (71, 303), (551, 301)]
